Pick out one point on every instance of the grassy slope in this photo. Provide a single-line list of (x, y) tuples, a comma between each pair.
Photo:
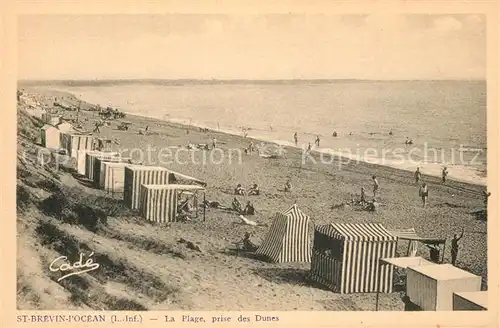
[(143, 266)]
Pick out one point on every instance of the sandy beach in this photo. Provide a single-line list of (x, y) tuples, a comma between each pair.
[(144, 266)]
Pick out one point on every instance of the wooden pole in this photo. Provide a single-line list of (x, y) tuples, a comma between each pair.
[(204, 206), (444, 247), (378, 286)]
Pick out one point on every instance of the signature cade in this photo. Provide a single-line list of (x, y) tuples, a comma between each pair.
[(62, 264)]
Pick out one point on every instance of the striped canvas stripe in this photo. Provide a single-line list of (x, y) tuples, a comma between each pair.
[(136, 175), (288, 238), (361, 271), (356, 231), (112, 176), (158, 204)]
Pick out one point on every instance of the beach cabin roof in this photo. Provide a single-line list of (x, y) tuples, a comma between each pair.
[(356, 231), (187, 177), (138, 167), (405, 262), (410, 234), (480, 298), (174, 186), (443, 272), (65, 127), (48, 127)]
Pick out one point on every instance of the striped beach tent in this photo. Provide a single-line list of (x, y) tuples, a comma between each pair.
[(346, 257), (140, 174), (158, 203), (90, 158), (112, 176), (288, 237)]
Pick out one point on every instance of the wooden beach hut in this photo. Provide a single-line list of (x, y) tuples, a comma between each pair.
[(288, 237), (80, 142), (90, 158), (112, 177), (99, 166), (50, 137), (346, 256), (159, 203), (431, 287), (140, 174)]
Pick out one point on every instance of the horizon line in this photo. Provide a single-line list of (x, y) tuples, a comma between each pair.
[(146, 80)]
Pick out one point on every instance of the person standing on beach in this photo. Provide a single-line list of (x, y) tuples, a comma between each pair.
[(214, 142), (316, 142), (296, 138), (454, 246), (375, 186), (444, 174), (309, 147), (363, 195), (424, 193), (418, 175)]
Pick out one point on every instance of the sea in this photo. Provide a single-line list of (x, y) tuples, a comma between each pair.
[(373, 120)]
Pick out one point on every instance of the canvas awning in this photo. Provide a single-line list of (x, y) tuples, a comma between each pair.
[(405, 262), (187, 177), (410, 234)]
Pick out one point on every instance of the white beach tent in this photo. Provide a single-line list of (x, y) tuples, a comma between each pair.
[(50, 137), (288, 237)]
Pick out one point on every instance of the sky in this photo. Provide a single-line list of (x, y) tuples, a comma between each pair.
[(280, 46)]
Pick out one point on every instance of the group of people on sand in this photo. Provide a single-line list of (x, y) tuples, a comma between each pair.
[(423, 191), (252, 191), (240, 191), (364, 202)]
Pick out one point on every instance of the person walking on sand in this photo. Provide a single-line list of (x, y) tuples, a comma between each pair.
[(418, 175), (454, 246), (444, 174), (96, 127), (424, 193), (296, 138), (316, 142), (375, 186)]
